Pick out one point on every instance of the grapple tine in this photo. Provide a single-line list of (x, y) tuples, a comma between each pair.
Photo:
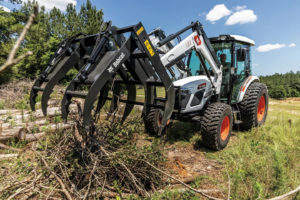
[(131, 97), (33, 93), (169, 105), (66, 101), (58, 73), (114, 101), (102, 98), (90, 100)]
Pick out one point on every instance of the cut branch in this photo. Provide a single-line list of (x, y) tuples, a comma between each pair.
[(287, 194), (3, 146), (11, 60), (63, 186)]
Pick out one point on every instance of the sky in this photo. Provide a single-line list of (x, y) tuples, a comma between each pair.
[(273, 25)]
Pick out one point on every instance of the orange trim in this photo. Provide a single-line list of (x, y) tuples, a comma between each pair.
[(225, 127), (261, 108), (243, 87)]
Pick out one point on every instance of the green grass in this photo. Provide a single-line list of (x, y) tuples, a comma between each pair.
[(265, 161)]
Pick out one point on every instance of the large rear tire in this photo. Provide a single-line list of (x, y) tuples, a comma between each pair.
[(216, 126), (254, 106)]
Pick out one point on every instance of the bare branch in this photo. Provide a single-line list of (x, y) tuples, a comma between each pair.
[(63, 186), (25, 188), (3, 146), (11, 60), (287, 194)]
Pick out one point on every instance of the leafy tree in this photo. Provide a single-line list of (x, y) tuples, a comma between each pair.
[(278, 92), (289, 81), (47, 31), (90, 18)]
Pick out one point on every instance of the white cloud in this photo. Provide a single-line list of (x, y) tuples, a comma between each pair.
[(217, 13), (269, 47), (5, 8), (49, 4), (241, 17), (240, 8), (292, 45)]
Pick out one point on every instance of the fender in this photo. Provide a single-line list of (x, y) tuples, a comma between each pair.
[(245, 86)]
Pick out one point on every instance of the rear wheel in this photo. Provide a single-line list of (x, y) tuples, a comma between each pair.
[(254, 106), (216, 126)]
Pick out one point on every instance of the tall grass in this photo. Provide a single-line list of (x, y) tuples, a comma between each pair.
[(265, 161)]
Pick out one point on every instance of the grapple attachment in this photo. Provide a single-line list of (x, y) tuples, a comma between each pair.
[(137, 57), (72, 52)]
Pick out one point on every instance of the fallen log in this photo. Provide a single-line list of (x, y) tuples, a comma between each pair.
[(6, 126), (20, 117), (5, 112), (8, 156), (22, 133), (31, 137)]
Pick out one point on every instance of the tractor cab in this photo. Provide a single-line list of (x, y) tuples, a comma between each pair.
[(233, 52)]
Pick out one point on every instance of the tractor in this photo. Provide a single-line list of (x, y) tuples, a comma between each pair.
[(206, 80)]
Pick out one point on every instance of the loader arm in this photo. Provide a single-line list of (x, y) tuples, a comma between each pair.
[(197, 41)]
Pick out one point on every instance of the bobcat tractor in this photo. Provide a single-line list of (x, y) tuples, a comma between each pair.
[(206, 80), (219, 90)]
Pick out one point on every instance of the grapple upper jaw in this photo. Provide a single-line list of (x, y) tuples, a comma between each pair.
[(65, 57)]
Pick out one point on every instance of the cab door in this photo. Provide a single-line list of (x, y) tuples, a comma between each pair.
[(242, 68)]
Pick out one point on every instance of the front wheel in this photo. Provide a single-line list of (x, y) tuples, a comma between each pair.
[(152, 121), (216, 126)]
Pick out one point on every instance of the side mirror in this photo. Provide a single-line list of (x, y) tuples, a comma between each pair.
[(241, 54)]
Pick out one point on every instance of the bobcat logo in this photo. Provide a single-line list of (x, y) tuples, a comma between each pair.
[(116, 63)]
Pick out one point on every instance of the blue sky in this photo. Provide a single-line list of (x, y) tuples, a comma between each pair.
[(273, 25)]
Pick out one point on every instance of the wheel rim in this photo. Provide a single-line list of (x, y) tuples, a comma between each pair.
[(225, 127), (261, 109)]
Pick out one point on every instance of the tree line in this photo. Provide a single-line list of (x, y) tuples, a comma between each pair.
[(281, 86), (49, 28)]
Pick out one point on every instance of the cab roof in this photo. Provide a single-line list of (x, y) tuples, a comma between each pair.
[(238, 38)]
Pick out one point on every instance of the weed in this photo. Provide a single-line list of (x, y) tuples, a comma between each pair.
[(2, 104)]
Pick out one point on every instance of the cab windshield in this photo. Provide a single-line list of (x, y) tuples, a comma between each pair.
[(195, 65)]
